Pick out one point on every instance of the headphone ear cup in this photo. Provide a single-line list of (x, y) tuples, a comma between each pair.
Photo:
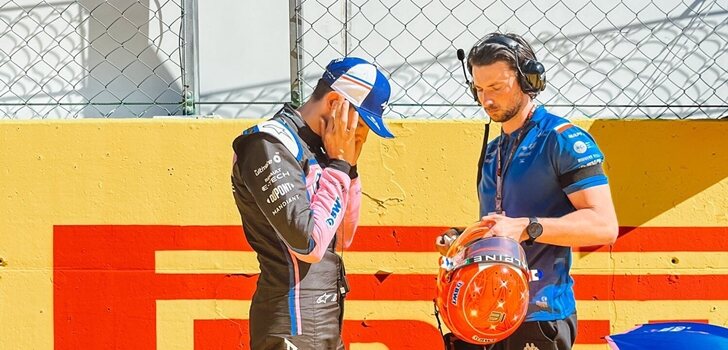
[(534, 76), (474, 92)]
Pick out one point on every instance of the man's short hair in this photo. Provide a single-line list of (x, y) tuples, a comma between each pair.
[(321, 89), (484, 53)]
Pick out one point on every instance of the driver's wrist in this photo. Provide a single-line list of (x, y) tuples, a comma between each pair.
[(341, 165), (353, 172)]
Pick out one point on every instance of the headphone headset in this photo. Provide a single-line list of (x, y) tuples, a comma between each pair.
[(531, 74)]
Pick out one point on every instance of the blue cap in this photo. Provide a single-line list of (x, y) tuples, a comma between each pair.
[(364, 86)]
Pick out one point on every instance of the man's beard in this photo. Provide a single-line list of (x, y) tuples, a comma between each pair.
[(507, 114)]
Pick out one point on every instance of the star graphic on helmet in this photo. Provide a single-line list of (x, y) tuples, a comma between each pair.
[(477, 289)]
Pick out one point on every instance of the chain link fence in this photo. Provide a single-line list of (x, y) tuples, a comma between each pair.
[(137, 58), (604, 59), (91, 58)]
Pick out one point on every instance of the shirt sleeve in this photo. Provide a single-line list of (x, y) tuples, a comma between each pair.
[(577, 159), (277, 183)]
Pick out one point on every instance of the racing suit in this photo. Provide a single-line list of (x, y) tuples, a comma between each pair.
[(296, 205)]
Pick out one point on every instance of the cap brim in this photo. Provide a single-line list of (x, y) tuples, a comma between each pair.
[(375, 122)]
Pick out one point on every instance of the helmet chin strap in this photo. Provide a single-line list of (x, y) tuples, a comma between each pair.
[(445, 339)]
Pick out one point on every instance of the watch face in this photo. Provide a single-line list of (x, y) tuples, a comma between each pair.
[(534, 230)]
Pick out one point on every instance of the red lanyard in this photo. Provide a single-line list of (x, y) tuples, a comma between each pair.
[(502, 167)]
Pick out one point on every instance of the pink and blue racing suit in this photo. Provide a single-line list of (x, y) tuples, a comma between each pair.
[(297, 206)]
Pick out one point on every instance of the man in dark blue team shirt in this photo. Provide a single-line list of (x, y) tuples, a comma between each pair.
[(541, 183)]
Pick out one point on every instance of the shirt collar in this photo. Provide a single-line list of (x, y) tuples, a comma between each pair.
[(538, 113), (301, 128)]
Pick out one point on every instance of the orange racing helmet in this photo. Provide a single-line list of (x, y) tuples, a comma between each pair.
[(482, 286)]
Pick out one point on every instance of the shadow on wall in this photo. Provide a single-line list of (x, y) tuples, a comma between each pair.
[(653, 66), (654, 165), (642, 66), (125, 62), (90, 51)]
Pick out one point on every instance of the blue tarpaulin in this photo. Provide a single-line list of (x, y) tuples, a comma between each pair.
[(671, 335)]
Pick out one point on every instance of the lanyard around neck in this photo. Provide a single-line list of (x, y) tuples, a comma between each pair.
[(503, 164)]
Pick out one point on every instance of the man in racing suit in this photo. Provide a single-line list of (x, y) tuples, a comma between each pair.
[(296, 186)]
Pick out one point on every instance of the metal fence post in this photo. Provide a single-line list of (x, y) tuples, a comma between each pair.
[(296, 40), (190, 60), (347, 27)]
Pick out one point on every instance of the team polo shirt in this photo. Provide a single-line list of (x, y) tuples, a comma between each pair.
[(555, 158)]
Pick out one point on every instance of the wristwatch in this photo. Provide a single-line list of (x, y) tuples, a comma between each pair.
[(534, 230)]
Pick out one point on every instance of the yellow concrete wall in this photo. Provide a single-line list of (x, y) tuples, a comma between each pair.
[(671, 174)]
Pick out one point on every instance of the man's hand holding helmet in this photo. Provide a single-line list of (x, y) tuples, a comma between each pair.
[(503, 226)]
